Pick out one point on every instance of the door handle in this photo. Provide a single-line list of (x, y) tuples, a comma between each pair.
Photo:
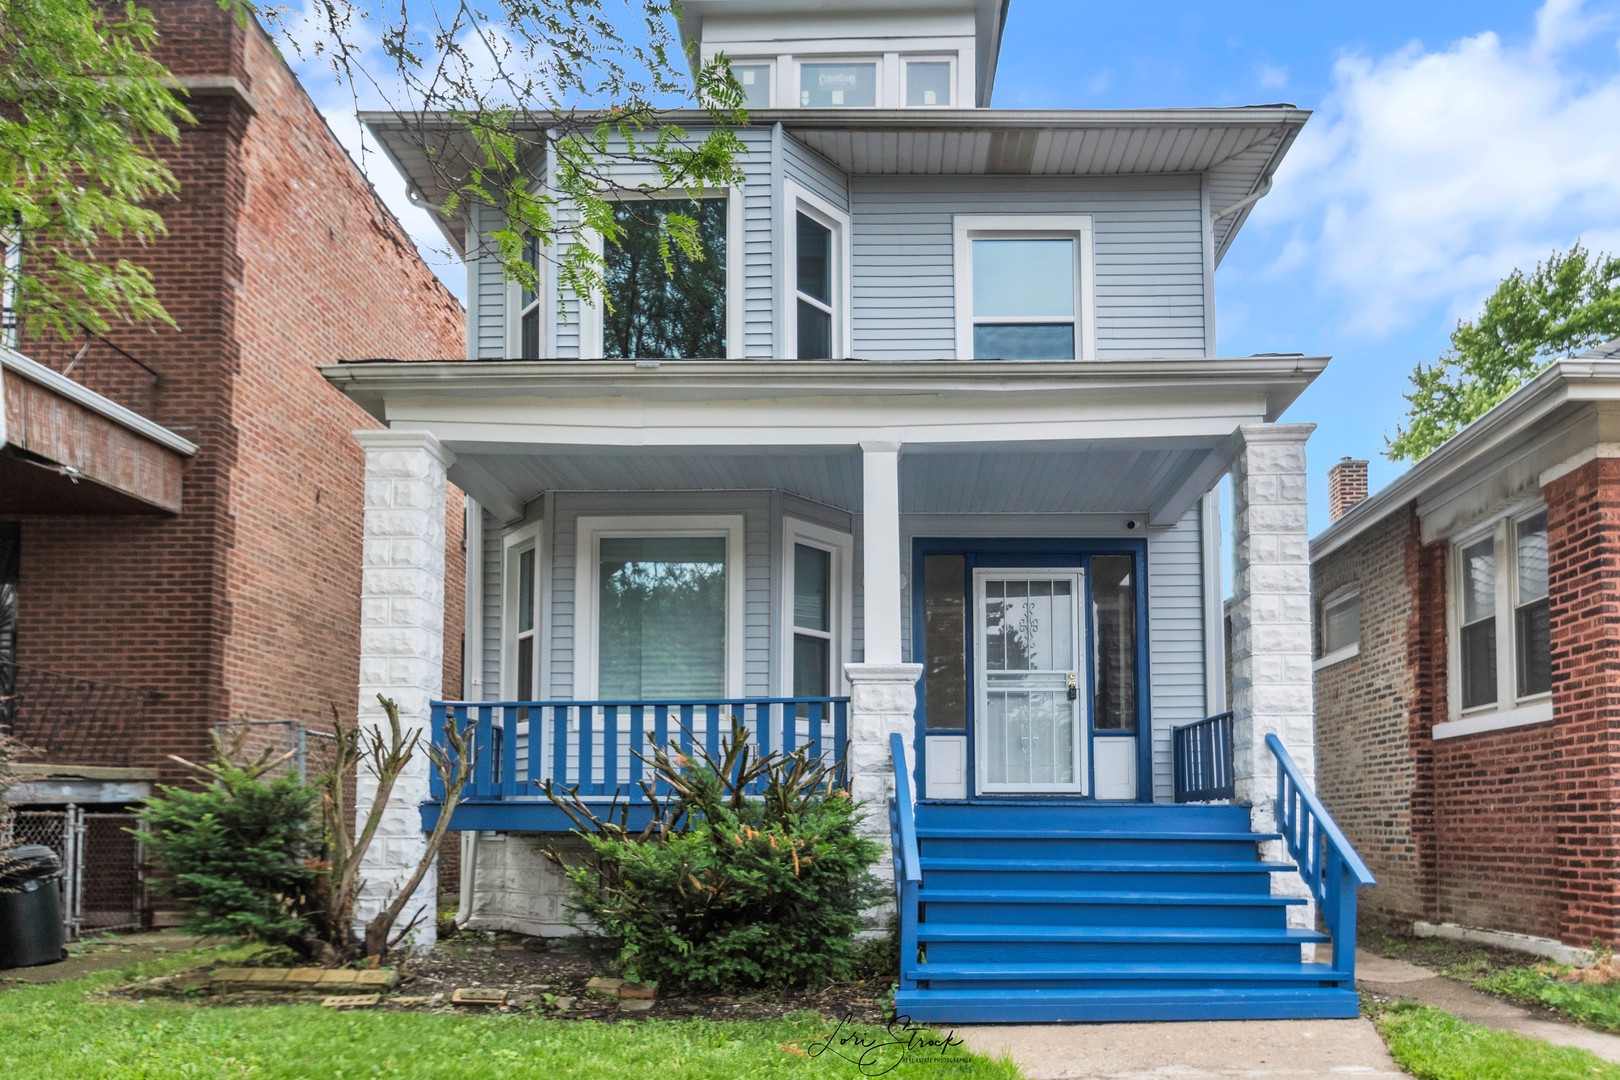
[(1074, 686)]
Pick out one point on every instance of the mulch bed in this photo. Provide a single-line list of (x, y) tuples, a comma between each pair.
[(546, 977)]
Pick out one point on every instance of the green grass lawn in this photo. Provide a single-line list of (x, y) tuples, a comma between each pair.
[(60, 1031), (1596, 1005), (1434, 1045)]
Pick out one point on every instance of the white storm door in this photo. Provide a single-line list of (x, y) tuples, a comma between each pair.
[(1028, 727)]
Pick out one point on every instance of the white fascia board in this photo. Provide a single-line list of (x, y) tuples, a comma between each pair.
[(62, 386), (1522, 412)]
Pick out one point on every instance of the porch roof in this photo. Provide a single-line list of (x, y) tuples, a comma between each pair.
[(1144, 437)]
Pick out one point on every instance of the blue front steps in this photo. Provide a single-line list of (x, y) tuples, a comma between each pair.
[(1031, 912)]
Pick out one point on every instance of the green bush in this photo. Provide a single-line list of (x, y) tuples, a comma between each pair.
[(723, 891), (241, 852)]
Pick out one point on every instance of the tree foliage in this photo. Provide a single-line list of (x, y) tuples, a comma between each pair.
[(550, 111), (84, 110), (1567, 304)]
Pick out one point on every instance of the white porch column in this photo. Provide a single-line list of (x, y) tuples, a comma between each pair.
[(880, 537), (883, 700), (1271, 613), (401, 653)]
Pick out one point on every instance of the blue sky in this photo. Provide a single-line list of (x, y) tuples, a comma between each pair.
[(1451, 142)]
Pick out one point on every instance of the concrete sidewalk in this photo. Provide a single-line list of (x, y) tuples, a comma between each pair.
[(1272, 1049), (102, 954), (1399, 979)]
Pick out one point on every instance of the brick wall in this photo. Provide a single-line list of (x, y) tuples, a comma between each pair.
[(1583, 541), (1366, 770), (279, 258)]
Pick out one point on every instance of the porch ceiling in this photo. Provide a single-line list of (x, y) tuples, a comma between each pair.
[(1142, 437)]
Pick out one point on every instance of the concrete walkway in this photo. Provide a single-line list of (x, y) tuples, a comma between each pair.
[(1399, 979), (1269, 1049), (102, 954)]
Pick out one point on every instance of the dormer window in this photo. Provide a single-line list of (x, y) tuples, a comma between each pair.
[(755, 80), (929, 82), (838, 84)]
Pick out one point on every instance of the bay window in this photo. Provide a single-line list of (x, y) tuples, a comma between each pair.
[(816, 315), (816, 609), (656, 312)]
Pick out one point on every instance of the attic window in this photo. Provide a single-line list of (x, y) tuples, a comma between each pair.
[(928, 83), (838, 85), (755, 80)]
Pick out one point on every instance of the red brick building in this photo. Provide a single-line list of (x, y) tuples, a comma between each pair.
[(187, 537), (1468, 667)]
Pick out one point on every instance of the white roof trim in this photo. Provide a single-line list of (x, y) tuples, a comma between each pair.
[(60, 384), (1565, 381)]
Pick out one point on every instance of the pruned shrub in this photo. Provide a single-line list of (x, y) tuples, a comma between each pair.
[(724, 890)]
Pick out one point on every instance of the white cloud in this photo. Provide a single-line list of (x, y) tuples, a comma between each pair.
[(1272, 76), (1427, 176)]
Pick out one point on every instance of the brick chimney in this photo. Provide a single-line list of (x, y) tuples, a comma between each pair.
[(1347, 485)]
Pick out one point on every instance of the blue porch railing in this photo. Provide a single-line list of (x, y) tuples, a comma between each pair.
[(1330, 866), (1203, 759), (593, 745), (907, 860)]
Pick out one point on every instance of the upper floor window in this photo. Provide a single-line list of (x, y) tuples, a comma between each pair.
[(1501, 644), (755, 80), (529, 305), (1338, 626), (651, 312), (929, 83), (838, 84), (818, 270), (1023, 288)]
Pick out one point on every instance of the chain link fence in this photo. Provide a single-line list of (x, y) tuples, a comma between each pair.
[(103, 885)]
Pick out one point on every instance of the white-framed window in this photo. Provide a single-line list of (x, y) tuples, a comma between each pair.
[(1500, 648), (833, 82), (818, 609), (1024, 287), (696, 313), (526, 330), (520, 669), (757, 79), (658, 608), (929, 82), (1338, 626), (817, 270)]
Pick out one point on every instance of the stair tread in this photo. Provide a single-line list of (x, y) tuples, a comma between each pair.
[(1191, 866), (1009, 969), (945, 832), (1092, 993), (1159, 934), (1064, 896)]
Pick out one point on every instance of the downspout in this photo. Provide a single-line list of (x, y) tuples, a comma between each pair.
[(1248, 200), (472, 678)]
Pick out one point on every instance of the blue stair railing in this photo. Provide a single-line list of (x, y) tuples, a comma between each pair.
[(1203, 759), (1330, 866), (907, 859)]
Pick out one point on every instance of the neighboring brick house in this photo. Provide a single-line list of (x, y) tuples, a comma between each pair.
[(1467, 681), (234, 595)]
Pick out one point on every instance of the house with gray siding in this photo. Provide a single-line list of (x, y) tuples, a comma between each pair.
[(922, 469)]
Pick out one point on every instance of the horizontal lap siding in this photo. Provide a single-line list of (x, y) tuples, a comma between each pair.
[(814, 173), (1148, 245), (487, 283), (1175, 639), (491, 591)]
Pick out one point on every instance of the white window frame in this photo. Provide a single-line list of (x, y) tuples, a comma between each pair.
[(876, 59), (1344, 652), (513, 545), (1077, 227), (1510, 709), (841, 546), (590, 531), (515, 305), (800, 200), (592, 314), (907, 59)]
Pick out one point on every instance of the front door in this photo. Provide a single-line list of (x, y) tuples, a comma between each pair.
[(1029, 720)]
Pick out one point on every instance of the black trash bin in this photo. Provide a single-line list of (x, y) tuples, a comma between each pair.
[(30, 907)]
